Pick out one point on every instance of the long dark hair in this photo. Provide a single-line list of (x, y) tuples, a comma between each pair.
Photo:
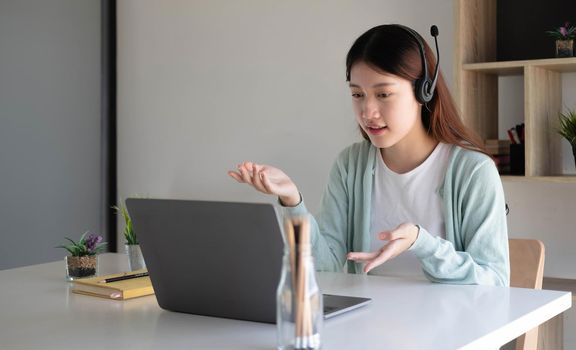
[(390, 49)]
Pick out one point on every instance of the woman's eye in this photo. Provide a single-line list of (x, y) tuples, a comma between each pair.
[(356, 95), (384, 95)]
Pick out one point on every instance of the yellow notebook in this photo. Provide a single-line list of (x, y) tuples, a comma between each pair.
[(119, 290)]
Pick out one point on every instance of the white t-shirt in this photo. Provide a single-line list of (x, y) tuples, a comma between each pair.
[(409, 197)]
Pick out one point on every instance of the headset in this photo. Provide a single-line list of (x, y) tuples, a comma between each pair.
[(423, 86)]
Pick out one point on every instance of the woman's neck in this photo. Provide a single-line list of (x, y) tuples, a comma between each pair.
[(409, 153)]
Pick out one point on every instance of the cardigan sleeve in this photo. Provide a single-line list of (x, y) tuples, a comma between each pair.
[(480, 222), (330, 226)]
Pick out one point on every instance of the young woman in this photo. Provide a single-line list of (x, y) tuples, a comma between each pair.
[(418, 195)]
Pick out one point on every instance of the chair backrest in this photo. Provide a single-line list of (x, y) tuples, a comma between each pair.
[(526, 271), (526, 263)]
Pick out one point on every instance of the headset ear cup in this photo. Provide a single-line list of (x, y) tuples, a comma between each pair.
[(419, 91), (425, 94)]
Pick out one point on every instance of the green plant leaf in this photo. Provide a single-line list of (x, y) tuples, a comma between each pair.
[(82, 240), (567, 127), (71, 241), (71, 251), (129, 233)]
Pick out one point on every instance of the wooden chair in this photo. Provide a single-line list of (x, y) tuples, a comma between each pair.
[(526, 271)]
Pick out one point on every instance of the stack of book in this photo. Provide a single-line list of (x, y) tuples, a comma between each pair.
[(500, 152), (119, 286)]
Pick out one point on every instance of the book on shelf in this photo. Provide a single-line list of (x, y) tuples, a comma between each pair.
[(497, 147), (125, 285)]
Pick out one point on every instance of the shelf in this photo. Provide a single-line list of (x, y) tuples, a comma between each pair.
[(496, 68), (557, 179), (563, 65), (477, 73)]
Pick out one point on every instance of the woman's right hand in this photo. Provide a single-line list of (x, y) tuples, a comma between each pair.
[(269, 180)]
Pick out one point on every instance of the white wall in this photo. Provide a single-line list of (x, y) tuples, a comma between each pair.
[(50, 137), (206, 84)]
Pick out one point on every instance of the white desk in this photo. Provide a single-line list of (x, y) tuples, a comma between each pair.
[(38, 310)]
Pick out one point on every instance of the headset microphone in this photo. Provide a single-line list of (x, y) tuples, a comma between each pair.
[(434, 33)]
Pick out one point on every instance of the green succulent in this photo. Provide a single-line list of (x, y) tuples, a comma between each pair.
[(129, 233), (90, 245)]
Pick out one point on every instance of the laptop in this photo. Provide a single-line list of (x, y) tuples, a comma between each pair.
[(220, 259)]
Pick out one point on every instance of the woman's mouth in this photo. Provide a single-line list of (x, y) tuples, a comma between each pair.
[(376, 130)]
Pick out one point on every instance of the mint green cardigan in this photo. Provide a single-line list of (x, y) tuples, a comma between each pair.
[(475, 250)]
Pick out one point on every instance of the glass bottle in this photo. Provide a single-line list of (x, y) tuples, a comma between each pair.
[(299, 313)]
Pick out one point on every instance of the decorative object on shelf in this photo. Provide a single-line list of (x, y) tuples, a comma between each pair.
[(564, 40), (499, 150), (568, 129), (517, 150), (517, 159), (564, 48), (83, 259), (132, 247)]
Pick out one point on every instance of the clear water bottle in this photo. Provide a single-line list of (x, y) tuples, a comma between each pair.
[(299, 312)]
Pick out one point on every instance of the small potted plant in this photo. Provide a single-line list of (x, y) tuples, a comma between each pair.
[(132, 247), (568, 129), (564, 40), (82, 261)]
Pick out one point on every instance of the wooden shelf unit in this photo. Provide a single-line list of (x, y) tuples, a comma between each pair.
[(476, 82)]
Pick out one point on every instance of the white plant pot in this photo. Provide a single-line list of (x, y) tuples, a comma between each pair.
[(135, 258)]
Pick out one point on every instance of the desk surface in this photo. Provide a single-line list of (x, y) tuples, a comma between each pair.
[(38, 309)]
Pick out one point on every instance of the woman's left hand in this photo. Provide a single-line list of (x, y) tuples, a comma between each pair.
[(399, 240)]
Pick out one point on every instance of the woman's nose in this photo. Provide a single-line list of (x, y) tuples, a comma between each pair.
[(370, 110)]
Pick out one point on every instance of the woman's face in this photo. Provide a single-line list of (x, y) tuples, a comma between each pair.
[(385, 106)]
